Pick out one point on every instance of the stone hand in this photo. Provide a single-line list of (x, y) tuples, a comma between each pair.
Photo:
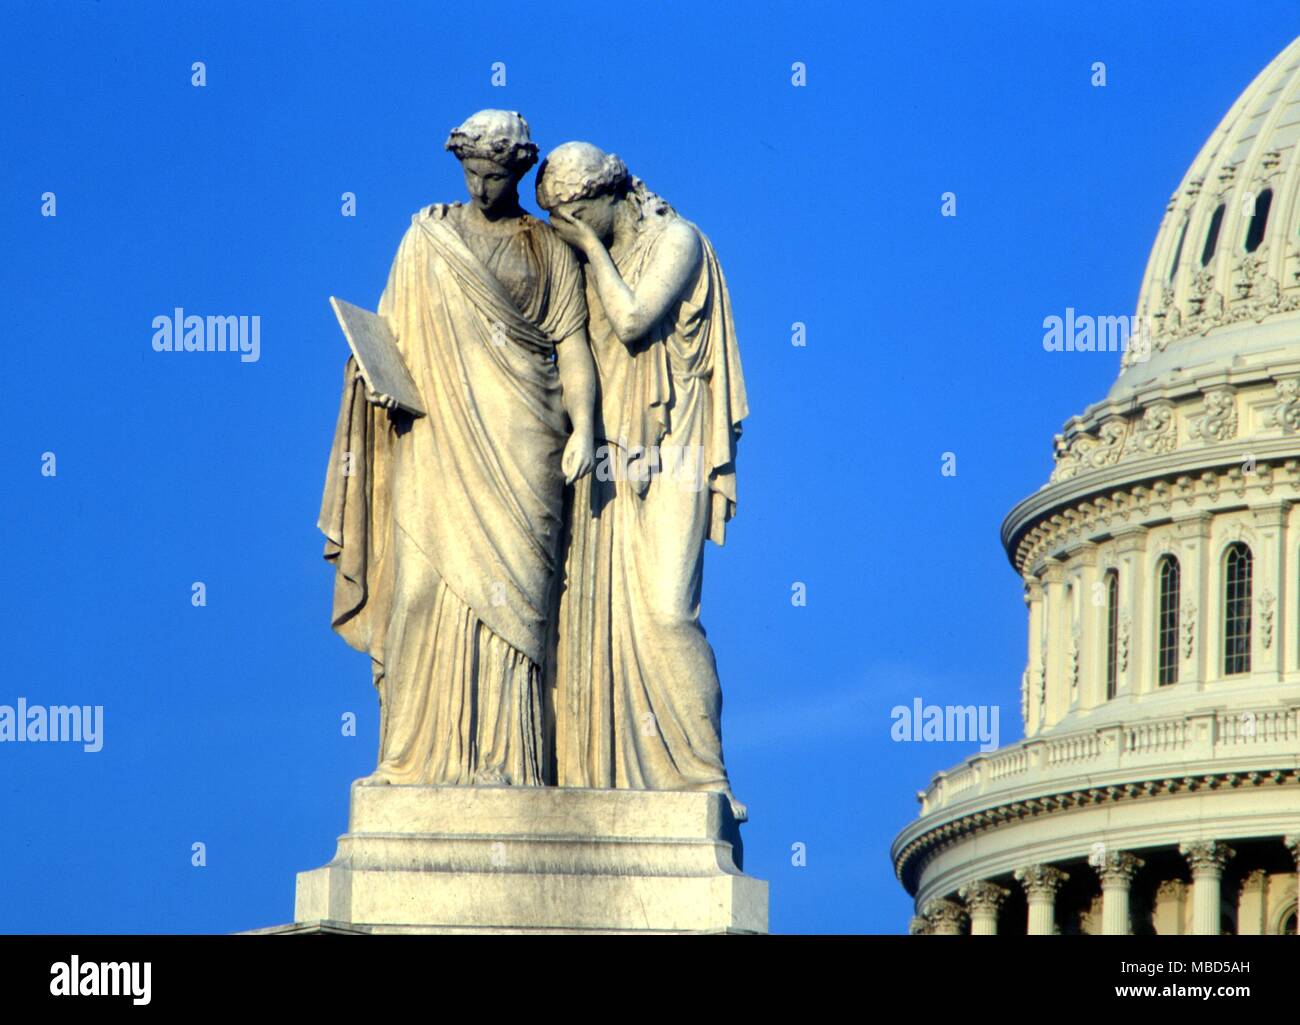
[(579, 456), (373, 397), (573, 231)]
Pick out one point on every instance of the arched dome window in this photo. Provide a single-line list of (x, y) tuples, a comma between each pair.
[(1112, 634), (1169, 581), (1178, 250), (1237, 562), (1212, 236), (1259, 220)]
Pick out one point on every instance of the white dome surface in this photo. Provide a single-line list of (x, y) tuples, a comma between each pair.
[(1226, 260)]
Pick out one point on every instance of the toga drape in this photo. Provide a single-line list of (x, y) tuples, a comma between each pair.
[(443, 530), (637, 698)]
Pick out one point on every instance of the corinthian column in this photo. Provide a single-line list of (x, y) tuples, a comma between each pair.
[(983, 899), (1207, 859), (1117, 871), (1041, 883), (946, 917)]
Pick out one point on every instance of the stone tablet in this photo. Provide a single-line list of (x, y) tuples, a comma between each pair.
[(375, 348)]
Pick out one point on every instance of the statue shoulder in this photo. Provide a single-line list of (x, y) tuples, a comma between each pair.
[(551, 240), (434, 212), (679, 241), (544, 230)]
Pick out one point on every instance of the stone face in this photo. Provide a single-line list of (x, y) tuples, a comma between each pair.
[(524, 859)]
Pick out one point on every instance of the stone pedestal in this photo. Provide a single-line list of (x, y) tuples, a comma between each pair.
[(533, 859)]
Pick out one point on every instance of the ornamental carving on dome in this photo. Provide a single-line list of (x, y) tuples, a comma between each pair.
[(1258, 294), (1157, 433), (1204, 304), (1166, 324), (1041, 674), (1251, 280), (1286, 414), (1266, 601), (1153, 433), (1188, 623), (1219, 422)]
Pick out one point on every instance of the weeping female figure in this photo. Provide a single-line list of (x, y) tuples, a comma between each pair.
[(637, 699)]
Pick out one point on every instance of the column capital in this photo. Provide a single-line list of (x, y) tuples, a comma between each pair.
[(1118, 868), (945, 916), (1292, 843), (1041, 880), (1172, 889), (918, 926), (1206, 857), (1053, 571), (984, 896)]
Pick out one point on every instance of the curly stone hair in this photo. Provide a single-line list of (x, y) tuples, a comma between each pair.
[(501, 136), (578, 170)]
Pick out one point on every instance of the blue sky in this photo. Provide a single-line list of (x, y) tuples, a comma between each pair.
[(923, 337)]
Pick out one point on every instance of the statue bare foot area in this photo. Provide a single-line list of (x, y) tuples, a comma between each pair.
[(377, 778), (738, 810), (491, 777)]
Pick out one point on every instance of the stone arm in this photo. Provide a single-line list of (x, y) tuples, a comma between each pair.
[(578, 391), (632, 313)]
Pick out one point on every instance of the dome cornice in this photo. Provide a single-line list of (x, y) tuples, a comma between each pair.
[(1235, 432), (916, 845)]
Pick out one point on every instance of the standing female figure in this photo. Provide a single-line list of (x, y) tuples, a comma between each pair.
[(637, 698), (444, 529)]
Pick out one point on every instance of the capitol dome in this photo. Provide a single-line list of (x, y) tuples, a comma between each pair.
[(1221, 290), (1157, 789)]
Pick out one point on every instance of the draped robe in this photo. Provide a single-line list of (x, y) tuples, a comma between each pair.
[(637, 699), (443, 529)]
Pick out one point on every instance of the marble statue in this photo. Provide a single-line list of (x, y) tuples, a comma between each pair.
[(531, 622), (444, 529), (637, 698)]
